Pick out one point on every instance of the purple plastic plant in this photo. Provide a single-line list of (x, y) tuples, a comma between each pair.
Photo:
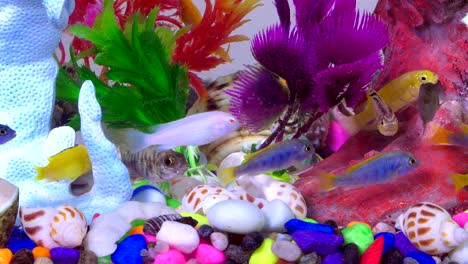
[(330, 56)]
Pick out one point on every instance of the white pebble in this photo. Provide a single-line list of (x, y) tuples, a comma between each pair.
[(219, 240), (286, 250), (276, 213), (236, 216), (179, 236), (460, 253), (383, 227)]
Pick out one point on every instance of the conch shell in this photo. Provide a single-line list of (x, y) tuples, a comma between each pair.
[(431, 229), (63, 226)]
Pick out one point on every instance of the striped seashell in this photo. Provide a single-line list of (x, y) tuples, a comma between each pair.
[(153, 225), (64, 226), (203, 196), (431, 229)]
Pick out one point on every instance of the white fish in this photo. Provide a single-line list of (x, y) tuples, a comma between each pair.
[(194, 130)]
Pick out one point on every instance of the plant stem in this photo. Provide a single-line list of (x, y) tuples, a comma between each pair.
[(304, 128)]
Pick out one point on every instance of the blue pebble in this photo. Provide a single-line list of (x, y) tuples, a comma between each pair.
[(403, 244), (15, 245), (322, 243), (336, 258), (295, 224), (421, 257), (389, 240), (62, 255), (18, 234), (148, 193), (128, 250)]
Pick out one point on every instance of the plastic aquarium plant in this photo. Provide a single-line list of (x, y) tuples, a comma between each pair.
[(329, 56)]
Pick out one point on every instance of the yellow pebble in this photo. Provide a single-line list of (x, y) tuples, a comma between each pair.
[(263, 254), (357, 222), (136, 230), (5, 256), (41, 252), (202, 220)]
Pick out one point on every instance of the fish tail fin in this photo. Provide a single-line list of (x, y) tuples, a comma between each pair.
[(226, 175), (40, 173), (459, 180), (326, 181)]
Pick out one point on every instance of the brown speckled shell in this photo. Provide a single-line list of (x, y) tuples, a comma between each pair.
[(8, 216)]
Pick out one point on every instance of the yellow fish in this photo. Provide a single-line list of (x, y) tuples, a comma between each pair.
[(69, 164), (459, 180), (190, 14), (398, 93), (387, 122)]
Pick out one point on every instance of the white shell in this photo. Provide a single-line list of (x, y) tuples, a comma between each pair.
[(202, 197), (64, 226), (430, 228)]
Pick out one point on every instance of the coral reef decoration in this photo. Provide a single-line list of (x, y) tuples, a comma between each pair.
[(330, 55), (415, 26)]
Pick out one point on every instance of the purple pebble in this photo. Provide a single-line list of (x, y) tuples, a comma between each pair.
[(336, 258), (61, 255), (403, 244), (322, 243)]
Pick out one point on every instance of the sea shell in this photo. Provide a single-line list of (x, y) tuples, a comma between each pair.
[(8, 209), (203, 196), (431, 229), (153, 225), (64, 226)]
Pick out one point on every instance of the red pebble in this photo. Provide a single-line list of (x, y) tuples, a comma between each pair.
[(373, 253), (208, 254)]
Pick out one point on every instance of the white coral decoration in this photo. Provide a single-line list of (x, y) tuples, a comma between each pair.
[(431, 229), (64, 226)]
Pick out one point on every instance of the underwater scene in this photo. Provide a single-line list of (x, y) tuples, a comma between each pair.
[(234, 131)]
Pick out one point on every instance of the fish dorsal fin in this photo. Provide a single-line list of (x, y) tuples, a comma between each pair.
[(357, 165), (256, 153)]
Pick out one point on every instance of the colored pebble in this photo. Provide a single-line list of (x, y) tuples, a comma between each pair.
[(128, 250), (138, 222), (351, 253), (172, 256), (281, 236), (263, 254), (383, 227), (350, 224), (179, 236), (87, 257), (148, 194), (393, 256), (421, 257), (286, 250), (461, 219), (5, 255), (236, 216), (207, 254), (172, 203), (311, 258), (219, 240), (409, 260), (309, 220), (149, 238), (403, 244), (359, 234), (44, 260), (336, 258), (236, 254), (201, 219), (295, 224), (16, 245), (276, 214), (373, 253), (332, 224), (322, 243), (41, 252), (138, 230), (23, 256), (252, 241), (204, 231), (389, 240), (61, 255)]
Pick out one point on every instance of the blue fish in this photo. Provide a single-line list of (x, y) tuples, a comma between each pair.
[(272, 158), (380, 168), (6, 134)]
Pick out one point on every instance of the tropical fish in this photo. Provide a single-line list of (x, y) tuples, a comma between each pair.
[(459, 180), (443, 136), (155, 166), (6, 134), (69, 164), (387, 122), (428, 101), (194, 130), (190, 14), (377, 169), (398, 94), (272, 158)]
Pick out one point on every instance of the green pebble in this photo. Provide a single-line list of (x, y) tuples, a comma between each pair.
[(201, 219), (105, 259), (309, 220), (263, 254), (172, 203), (359, 234), (138, 222), (141, 183)]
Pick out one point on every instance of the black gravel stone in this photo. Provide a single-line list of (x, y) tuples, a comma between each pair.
[(393, 256), (23, 256), (351, 254), (236, 254), (311, 258), (204, 231), (87, 257), (252, 241)]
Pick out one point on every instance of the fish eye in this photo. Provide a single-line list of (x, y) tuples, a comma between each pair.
[(307, 148), (3, 132), (423, 78), (412, 161), (382, 123), (232, 120), (169, 161)]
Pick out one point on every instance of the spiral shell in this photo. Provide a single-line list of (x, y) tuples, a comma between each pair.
[(430, 228), (64, 226), (153, 225)]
